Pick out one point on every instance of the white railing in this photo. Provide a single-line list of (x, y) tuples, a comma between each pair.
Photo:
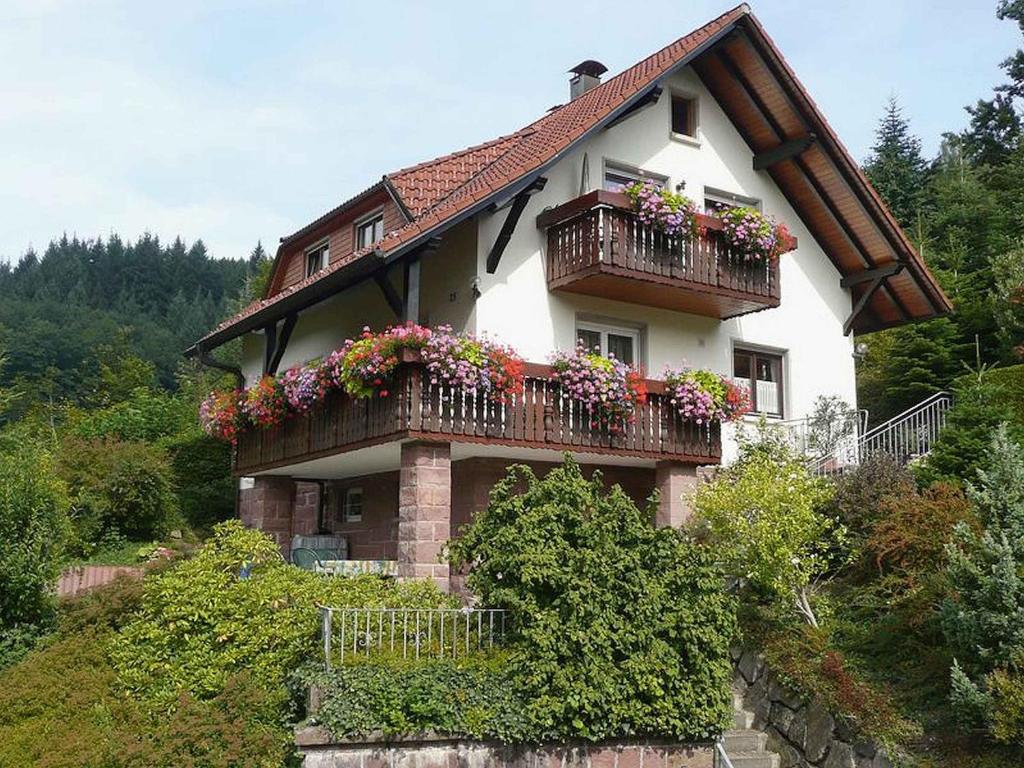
[(412, 632), (910, 434)]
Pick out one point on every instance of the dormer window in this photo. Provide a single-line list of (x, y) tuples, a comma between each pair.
[(316, 258), (369, 231), (684, 116)]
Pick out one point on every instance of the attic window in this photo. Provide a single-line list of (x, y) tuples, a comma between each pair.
[(716, 200), (316, 258), (370, 231), (684, 116)]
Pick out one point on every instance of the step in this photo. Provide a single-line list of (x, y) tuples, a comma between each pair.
[(742, 719), (745, 740), (753, 759)]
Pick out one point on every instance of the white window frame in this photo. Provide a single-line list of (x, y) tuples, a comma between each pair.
[(346, 504), (729, 198), (604, 328), (368, 219), (765, 351), (325, 254), (686, 138), (628, 171)]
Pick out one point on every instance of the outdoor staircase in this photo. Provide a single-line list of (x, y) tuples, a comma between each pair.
[(744, 745)]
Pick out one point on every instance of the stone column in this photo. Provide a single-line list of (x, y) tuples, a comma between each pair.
[(268, 506), (424, 510), (676, 483)]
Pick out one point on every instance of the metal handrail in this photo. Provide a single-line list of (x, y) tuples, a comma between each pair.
[(907, 413), (723, 757)]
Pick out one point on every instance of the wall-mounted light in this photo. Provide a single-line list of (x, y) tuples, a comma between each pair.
[(860, 350)]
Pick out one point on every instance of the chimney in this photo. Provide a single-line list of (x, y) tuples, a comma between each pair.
[(585, 75)]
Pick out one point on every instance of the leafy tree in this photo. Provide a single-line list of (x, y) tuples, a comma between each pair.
[(896, 168), (763, 519), (621, 628)]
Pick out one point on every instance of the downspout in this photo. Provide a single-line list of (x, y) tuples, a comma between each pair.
[(211, 362)]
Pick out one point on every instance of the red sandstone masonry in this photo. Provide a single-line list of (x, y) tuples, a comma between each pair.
[(268, 507), (375, 537), (424, 497)]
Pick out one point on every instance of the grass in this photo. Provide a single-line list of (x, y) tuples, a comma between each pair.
[(120, 553)]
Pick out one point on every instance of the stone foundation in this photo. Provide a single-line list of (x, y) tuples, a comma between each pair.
[(802, 732), (320, 752)]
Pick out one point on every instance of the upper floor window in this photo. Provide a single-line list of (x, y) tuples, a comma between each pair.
[(684, 116), (316, 258), (762, 372), (610, 340), (619, 175), (716, 200), (352, 505), (369, 231)]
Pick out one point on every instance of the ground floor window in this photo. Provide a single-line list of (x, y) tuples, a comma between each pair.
[(623, 343), (763, 372), (352, 506)]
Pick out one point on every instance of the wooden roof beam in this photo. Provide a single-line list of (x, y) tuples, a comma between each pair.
[(862, 302), (784, 151), (887, 270), (509, 225), (648, 100)]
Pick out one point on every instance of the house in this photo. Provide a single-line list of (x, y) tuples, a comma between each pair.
[(527, 238)]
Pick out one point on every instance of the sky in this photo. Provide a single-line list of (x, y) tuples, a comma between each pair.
[(238, 122)]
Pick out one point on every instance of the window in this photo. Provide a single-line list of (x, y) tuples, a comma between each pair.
[(352, 506), (716, 200), (684, 116), (316, 259), (617, 176), (623, 343), (762, 372), (369, 231)]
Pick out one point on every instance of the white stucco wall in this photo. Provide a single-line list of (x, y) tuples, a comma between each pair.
[(516, 306)]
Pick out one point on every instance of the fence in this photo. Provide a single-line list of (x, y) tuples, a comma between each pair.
[(412, 632)]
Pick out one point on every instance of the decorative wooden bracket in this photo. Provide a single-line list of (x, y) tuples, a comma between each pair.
[(390, 294), (887, 270), (411, 287), (509, 226), (862, 302), (276, 344), (784, 151)]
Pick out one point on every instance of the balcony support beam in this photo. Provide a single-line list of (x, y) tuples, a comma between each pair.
[(784, 151), (277, 343), (390, 294), (511, 220)]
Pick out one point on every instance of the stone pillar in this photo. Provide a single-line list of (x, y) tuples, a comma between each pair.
[(424, 510), (267, 505), (307, 505), (676, 483)]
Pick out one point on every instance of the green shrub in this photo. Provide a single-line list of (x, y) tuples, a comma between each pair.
[(202, 475), (34, 532), (118, 489), (146, 416), (619, 628), (201, 622), (857, 501), (764, 524), (472, 697)]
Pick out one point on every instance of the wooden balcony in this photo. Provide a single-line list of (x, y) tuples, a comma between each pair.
[(598, 246), (538, 417)]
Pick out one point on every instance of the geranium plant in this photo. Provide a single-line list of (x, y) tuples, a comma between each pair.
[(304, 386), (608, 388), (702, 396), (220, 416), (755, 236), (264, 404), (365, 367), (671, 213), (473, 365)]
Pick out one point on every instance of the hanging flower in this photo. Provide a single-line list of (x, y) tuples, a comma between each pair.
[(365, 367), (264, 404), (702, 396), (753, 235), (671, 213), (476, 366), (609, 389), (304, 386), (219, 415)]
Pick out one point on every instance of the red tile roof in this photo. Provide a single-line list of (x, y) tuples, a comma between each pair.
[(438, 190)]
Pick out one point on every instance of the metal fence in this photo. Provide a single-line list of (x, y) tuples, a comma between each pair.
[(411, 632)]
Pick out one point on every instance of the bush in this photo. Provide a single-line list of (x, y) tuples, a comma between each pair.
[(202, 476), (204, 621), (118, 489), (34, 532), (146, 416), (619, 628), (858, 497), (473, 697), (762, 516)]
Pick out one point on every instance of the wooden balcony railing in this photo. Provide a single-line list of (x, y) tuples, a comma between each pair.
[(541, 416), (597, 246)]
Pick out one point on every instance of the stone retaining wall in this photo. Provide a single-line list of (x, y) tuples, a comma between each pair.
[(803, 733), (321, 751)]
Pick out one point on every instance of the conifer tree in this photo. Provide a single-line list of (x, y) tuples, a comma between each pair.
[(896, 168)]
